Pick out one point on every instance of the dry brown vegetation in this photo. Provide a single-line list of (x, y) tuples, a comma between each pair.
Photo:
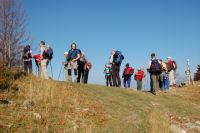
[(42, 106)]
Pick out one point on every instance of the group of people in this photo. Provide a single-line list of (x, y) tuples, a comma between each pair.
[(112, 72), (162, 74), (75, 60)]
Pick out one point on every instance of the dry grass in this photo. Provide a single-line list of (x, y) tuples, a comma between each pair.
[(70, 108)]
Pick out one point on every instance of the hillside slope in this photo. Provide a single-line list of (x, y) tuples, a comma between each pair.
[(41, 106)]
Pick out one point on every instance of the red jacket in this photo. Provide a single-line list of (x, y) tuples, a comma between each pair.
[(139, 75)]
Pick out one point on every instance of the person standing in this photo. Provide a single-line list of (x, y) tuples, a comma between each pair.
[(164, 77), (75, 55), (116, 60), (171, 72), (88, 67), (81, 68), (27, 58), (128, 72), (139, 77), (44, 60), (108, 75), (155, 69), (67, 66)]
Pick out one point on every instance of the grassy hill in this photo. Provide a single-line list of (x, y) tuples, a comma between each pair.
[(45, 106)]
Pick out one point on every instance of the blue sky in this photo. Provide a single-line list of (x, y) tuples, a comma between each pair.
[(135, 27)]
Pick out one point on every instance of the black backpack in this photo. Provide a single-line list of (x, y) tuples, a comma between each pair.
[(48, 53), (156, 67), (26, 52)]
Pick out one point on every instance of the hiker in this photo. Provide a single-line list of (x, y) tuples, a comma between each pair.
[(38, 63), (139, 77), (108, 75), (172, 68), (27, 58), (155, 69), (128, 72), (75, 55), (116, 60), (164, 76), (88, 67), (66, 65), (81, 68), (44, 60)]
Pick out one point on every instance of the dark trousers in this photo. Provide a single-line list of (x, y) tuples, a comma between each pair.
[(86, 75), (108, 80), (127, 81), (28, 66), (81, 71), (116, 76)]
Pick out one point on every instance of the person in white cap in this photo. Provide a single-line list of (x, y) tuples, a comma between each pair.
[(67, 66), (171, 72)]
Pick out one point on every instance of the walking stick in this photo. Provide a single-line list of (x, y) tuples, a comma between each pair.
[(51, 69), (60, 72)]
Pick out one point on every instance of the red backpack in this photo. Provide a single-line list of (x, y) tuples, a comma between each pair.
[(129, 71)]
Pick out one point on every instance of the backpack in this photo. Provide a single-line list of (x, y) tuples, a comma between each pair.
[(48, 53), (129, 71), (174, 65), (169, 68), (26, 53), (120, 58), (156, 67), (108, 70)]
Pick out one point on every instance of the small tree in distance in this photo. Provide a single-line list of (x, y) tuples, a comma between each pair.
[(197, 74)]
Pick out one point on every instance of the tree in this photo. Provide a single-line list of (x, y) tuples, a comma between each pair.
[(197, 74), (13, 31)]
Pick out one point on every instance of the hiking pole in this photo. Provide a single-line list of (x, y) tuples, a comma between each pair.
[(51, 69), (63, 74), (60, 71), (147, 82)]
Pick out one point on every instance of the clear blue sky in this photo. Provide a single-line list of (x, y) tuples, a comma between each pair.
[(135, 27)]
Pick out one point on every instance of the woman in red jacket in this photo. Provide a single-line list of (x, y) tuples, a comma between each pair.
[(138, 77)]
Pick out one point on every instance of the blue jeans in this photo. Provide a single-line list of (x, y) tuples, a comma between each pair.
[(164, 77)]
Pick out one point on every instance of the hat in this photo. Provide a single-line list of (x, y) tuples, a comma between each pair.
[(169, 57), (65, 53)]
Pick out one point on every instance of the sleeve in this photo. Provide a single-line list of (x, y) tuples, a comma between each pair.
[(41, 52), (149, 65), (111, 59)]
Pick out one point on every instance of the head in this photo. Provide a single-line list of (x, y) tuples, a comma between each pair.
[(161, 60), (153, 55), (169, 58), (107, 65), (28, 46), (142, 69), (66, 54), (113, 52), (127, 65), (73, 46), (42, 43)]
